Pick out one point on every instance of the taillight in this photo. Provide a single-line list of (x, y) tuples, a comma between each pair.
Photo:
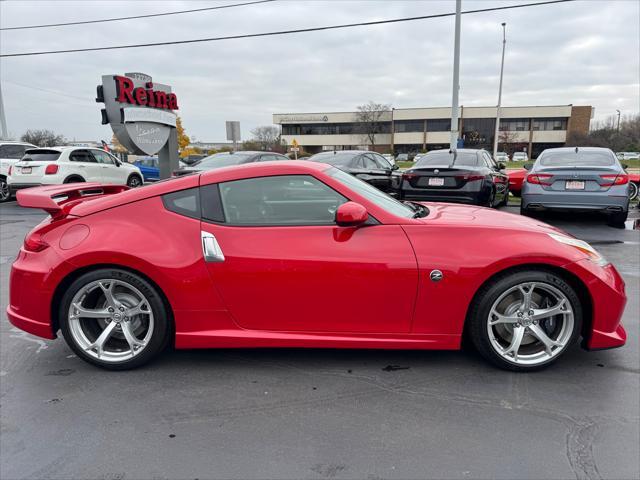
[(51, 169), (539, 179), (10, 168), (470, 178), (613, 179), (408, 176), (34, 242)]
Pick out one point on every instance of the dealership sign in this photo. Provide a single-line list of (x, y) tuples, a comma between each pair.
[(139, 111)]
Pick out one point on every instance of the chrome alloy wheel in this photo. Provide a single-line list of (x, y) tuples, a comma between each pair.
[(5, 192), (111, 320), (530, 323)]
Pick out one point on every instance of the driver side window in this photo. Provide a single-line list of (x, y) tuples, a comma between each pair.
[(82, 156), (103, 157), (279, 200)]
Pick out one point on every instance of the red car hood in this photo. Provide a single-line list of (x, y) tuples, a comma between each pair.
[(481, 217)]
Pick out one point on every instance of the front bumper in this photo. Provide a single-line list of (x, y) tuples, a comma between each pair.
[(608, 299)]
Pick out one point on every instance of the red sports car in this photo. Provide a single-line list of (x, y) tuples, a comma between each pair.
[(301, 254), (516, 177)]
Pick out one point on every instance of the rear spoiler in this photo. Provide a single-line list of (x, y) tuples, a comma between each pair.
[(69, 194)]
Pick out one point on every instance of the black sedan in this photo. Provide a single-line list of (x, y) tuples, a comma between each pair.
[(226, 159), (464, 176), (369, 166)]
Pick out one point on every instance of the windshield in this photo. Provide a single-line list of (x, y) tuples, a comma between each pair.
[(336, 159), (41, 155), (372, 194), (581, 158), (467, 159), (221, 160)]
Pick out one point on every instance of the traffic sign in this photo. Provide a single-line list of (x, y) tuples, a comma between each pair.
[(294, 143)]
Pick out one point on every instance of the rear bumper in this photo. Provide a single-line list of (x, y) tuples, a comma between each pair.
[(444, 195), (536, 198)]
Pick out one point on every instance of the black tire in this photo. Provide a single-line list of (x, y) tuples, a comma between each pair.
[(491, 199), (633, 191), (479, 314), (5, 191), (505, 200), (617, 219), (525, 212), (74, 179), (160, 335), (134, 181)]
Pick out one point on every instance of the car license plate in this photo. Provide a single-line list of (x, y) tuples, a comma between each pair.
[(574, 185), (26, 170), (436, 182)]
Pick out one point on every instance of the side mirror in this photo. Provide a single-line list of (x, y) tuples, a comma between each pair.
[(117, 163), (351, 214), (527, 166), (396, 167), (625, 166), (501, 166)]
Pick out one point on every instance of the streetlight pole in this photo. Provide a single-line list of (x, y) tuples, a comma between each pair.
[(453, 144), (618, 129), (497, 131), (3, 120)]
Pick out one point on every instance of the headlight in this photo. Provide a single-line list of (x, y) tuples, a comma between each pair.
[(584, 247)]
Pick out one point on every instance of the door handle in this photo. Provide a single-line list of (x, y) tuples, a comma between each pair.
[(82, 166), (211, 248)]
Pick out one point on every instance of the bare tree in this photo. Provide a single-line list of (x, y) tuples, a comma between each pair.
[(266, 136), (370, 117), (507, 139), (43, 138)]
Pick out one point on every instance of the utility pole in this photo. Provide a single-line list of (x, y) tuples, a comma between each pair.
[(3, 120), (495, 136), (618, 128), (453, 145)]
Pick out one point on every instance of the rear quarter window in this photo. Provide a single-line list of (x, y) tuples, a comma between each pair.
[(183, 202)]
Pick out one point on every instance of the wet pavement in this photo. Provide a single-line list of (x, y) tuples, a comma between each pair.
[(297, 413)]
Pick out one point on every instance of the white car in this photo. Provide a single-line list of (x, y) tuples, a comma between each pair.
[(501, 157), (520, 157), (57, 165), (628, 155), (389, 158), (10, 153)]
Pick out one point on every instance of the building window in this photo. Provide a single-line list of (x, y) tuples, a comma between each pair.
[(514, 124), (401, 126), (547, 124), (439, 125), (478, 132)]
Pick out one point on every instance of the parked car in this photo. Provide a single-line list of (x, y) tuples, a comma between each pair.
[(226, 159), (150, 169), (371, 167), (577, 179), (56, 165), (10, 153), (634, 185), (516, 177), (628, 155), (520, 157), (463, 176), (287, 254), (502, 157), (402, 157), (389, 158)]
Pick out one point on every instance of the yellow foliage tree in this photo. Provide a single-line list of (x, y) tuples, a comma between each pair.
[(117, 146), (183, 138)]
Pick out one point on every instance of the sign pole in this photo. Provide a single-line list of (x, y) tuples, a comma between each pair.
[(453, 145), (168, 155)]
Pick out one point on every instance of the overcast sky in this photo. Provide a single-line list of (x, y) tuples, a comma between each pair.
[(584, 53)]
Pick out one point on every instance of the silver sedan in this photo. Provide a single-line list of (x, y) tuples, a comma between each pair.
[(577, 179)]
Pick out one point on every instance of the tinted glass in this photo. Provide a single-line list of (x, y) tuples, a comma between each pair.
[(381, 161), (372, 194), (336, 159), (12, 151), (82, 156), (103, 157), (219, 160), (465, 159), (582, 158), (41, 155), (184, 202), (279, 200), (211, 203)]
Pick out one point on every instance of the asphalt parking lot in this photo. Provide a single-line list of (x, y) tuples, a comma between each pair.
[(321, 413)]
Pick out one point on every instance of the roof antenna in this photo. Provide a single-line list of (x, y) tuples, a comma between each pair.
[(576, 149)]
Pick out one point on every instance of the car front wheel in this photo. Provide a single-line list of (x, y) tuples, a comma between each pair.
[(134, 181), (526, 320), (114, 319), (5, 191)]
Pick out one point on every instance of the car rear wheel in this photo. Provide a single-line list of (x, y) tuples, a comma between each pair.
[(134, 181), (114, 319), (526, 320), (617, 219), (74, 179), (5, 192), (633, 191)]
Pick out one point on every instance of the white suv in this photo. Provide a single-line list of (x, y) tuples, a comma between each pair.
[(10, 153), (56, 165)]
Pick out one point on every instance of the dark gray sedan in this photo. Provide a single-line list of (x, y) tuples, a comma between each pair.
[(577, 179), (226, 159)]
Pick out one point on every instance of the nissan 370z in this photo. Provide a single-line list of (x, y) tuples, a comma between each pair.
[(301, 254)]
